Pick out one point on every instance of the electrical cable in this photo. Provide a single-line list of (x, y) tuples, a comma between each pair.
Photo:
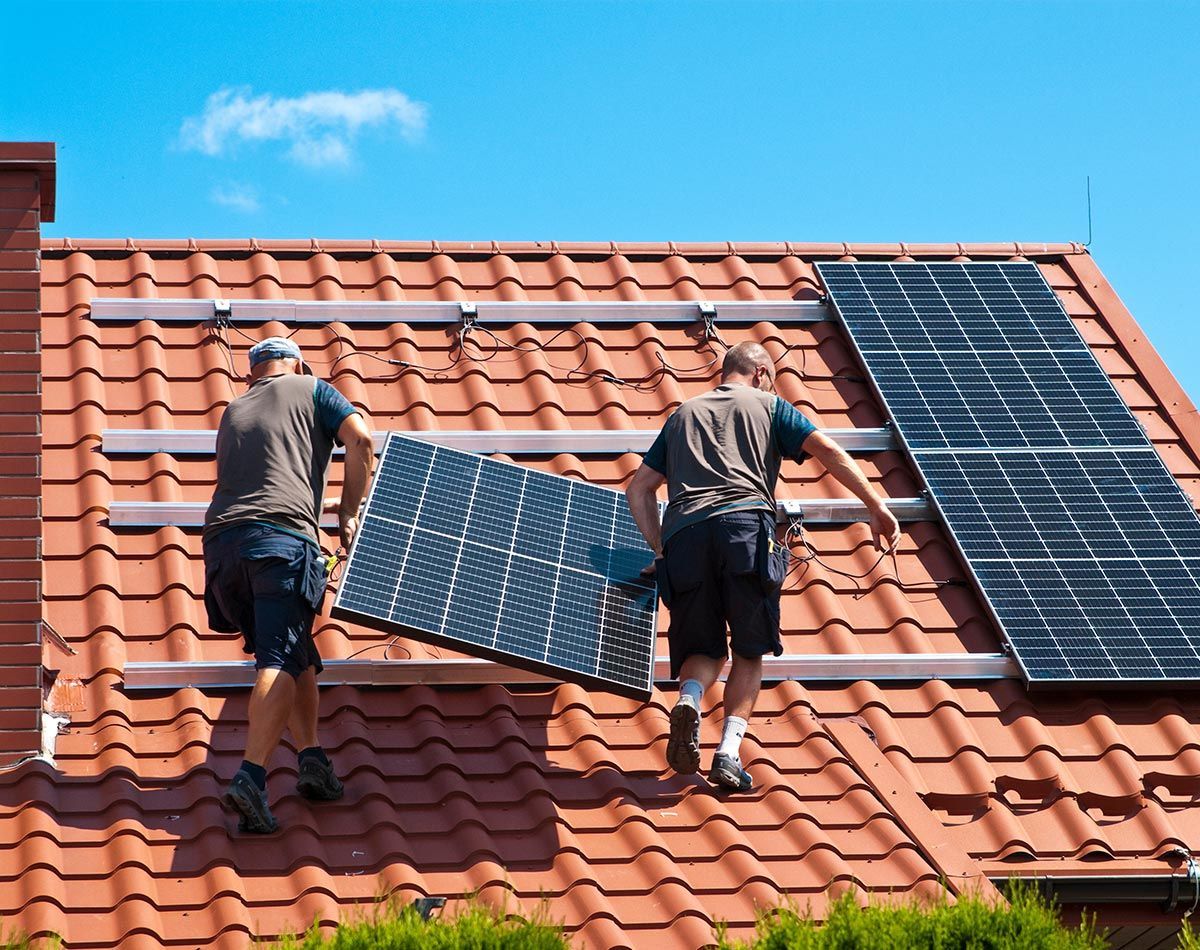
[(395, 641), (795, 533)]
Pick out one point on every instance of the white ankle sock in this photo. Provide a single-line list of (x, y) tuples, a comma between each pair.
[(693, 689), (731, 738)]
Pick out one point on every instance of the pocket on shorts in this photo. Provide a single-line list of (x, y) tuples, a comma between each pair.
[(216, 615), (315, 581), (773, 559), (663, 579), (739, 544), (685, 561), (276, 570)]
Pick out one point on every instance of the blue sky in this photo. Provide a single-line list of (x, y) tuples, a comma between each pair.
[(631, 121)]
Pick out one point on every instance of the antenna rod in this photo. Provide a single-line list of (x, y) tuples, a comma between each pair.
[(1089, 203)]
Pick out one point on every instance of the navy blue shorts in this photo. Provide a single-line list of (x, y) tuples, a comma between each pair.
[(267, 585), (714, 578)]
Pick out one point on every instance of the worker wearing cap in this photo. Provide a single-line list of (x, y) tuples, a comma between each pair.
[(719, 455), (264, 573)]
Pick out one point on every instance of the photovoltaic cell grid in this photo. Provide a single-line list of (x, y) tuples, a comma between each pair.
[(1091, 560), (503, 562), (978, 355), (1082, 541)]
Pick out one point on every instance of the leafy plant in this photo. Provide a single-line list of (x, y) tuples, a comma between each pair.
[(395, 927), (1027, 922)]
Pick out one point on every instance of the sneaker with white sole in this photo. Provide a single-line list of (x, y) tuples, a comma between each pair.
[(727, 772), (683, 747)]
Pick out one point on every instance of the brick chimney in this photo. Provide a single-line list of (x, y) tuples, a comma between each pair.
[(26, 200)]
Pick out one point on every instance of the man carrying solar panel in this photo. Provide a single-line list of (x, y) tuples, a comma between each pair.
[(719, 562), (264, 574)]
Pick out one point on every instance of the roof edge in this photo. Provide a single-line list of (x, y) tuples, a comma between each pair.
[(1146, 360), (776, 249)]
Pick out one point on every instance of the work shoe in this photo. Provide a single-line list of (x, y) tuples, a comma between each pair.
[(727, 772), (250, 802), (318, 782), (683, 748)]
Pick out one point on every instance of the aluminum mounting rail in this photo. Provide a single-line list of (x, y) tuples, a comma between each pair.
[(471, 672), (198, 310), (510, 442), (190, 514)]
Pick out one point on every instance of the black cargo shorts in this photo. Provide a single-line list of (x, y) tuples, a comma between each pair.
[(726, 570), (268, 585)]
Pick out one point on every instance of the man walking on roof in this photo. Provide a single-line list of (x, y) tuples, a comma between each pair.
[(264, 574), (719, 455)]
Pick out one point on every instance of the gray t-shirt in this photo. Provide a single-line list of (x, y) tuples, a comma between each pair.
[(721, 452), (273, 450)]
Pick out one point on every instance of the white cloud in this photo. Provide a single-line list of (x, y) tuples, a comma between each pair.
[(319, 128), (237, 196)]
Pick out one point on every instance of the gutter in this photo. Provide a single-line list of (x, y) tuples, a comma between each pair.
[(1171, 892)]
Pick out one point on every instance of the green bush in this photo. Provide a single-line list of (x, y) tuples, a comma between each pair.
[(395, 927), (1026, 923)]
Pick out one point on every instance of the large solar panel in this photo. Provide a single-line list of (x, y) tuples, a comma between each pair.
[(978, 355), (1082, 542), (496, 560)]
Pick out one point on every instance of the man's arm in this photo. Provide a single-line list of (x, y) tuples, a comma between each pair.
[(884, 526), (360, 453), (641, 496)]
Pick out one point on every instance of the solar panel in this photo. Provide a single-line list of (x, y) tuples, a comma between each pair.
[(1083, 544), (1097, 505), (949, 307), (978, 355), (503, 562)]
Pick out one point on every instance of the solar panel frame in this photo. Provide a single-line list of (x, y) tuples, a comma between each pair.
[(555, 572), (1042, 662)]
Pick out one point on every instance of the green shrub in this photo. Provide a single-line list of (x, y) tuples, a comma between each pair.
[(1026, 923), (395, 927), (1188, 938)]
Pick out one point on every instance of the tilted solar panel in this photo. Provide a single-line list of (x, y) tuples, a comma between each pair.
[(503, 562), (1082, 542)]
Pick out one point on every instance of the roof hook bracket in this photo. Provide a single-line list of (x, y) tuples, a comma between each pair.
[(470, 316), (425, 906)]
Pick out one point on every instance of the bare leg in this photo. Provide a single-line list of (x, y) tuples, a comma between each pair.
[(741, 689), (303, 721), (703, 669), (270, 707), (683, 744)]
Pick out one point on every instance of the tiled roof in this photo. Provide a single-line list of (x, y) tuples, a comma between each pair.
[(542, 790)]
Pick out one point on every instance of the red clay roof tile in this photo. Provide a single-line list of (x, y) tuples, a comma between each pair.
[(537, 790)]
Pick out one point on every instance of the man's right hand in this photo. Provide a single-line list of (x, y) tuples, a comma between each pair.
[(347, 528), (885, 528)]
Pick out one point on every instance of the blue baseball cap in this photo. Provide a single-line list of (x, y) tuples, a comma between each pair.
[(275, 348)]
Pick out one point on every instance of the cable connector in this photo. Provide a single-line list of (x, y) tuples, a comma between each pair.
[(470, 316), (222, 312), (708, 313)]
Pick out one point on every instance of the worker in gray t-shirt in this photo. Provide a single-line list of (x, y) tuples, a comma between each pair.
[(264, 573), (719, 561)]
